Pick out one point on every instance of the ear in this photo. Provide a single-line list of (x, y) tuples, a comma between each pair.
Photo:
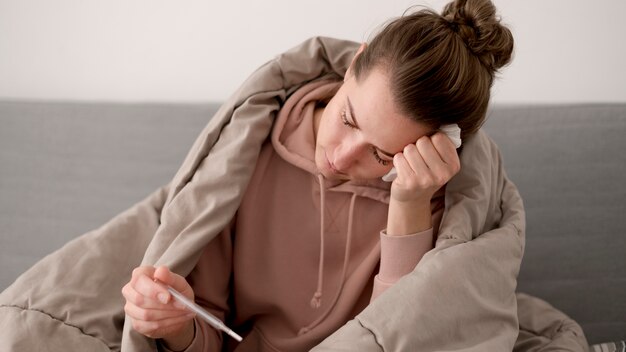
[(358, 52)]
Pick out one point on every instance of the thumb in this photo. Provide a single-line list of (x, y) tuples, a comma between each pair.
[(164, 275), (177, 282)]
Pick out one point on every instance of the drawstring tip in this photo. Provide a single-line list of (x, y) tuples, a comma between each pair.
[(316, 301)]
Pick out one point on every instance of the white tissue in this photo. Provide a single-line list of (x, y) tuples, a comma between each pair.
[(452, 131), (391, 175)]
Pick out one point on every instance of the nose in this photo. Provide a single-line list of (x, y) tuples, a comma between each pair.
[(346, 155)]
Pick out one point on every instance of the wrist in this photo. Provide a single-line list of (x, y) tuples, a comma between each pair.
[(408, 217), (181, 340)]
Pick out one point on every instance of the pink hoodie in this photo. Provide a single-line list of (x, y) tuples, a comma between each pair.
[(301, 256)]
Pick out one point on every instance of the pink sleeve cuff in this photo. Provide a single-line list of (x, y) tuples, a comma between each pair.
[(398, 256)]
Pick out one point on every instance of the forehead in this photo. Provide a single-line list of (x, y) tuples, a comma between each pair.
[(378, 115)]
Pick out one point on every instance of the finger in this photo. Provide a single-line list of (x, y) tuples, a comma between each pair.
[(179, 283), (403, 168), (415, 160), (142, 313), (448, 153), (441, 156), (142, 270), (136, 298), (165, 277), (431, 157), (445, 148), (151, 289)]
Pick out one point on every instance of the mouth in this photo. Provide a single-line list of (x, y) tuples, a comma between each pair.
[(332, 166)]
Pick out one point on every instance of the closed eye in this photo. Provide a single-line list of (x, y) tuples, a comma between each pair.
[(378, 158), (344, 119)]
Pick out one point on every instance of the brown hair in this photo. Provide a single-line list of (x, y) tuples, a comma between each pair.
[(441, 67)]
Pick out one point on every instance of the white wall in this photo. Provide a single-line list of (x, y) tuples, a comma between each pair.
[(198, 51)]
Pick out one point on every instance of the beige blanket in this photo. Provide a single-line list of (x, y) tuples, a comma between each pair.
[(461, 296)]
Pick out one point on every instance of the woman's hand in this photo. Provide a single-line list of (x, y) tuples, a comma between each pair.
[(154, 312), (423, 168)]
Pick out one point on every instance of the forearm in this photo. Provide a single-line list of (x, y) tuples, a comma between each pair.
[(406, 218), (408, 237)]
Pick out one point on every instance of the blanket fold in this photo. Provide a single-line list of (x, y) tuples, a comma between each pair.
[(460, 297)]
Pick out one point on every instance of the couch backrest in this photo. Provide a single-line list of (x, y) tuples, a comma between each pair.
[(67, 168), (569, 163)]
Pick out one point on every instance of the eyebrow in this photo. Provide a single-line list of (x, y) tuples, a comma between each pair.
[(356, 124)]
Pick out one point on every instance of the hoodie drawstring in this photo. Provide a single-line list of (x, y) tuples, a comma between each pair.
[(316, 301)]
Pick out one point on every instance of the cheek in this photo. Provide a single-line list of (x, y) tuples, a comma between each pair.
[(330, 130)]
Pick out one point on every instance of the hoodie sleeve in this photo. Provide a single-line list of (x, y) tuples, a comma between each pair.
[(210, 282), (399, 255)]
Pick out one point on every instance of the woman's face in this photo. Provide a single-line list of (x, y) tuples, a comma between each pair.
[(360, 130)]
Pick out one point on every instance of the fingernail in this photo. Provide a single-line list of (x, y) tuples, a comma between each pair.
[(162, 297)]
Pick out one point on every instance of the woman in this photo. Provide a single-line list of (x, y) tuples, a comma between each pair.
[(318, 234)]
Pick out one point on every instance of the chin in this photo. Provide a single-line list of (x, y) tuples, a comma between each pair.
[(330, 175)]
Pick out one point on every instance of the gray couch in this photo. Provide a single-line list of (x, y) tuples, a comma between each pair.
[(67, 168)]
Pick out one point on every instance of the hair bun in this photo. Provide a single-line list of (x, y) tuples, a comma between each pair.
[(476, 23)]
